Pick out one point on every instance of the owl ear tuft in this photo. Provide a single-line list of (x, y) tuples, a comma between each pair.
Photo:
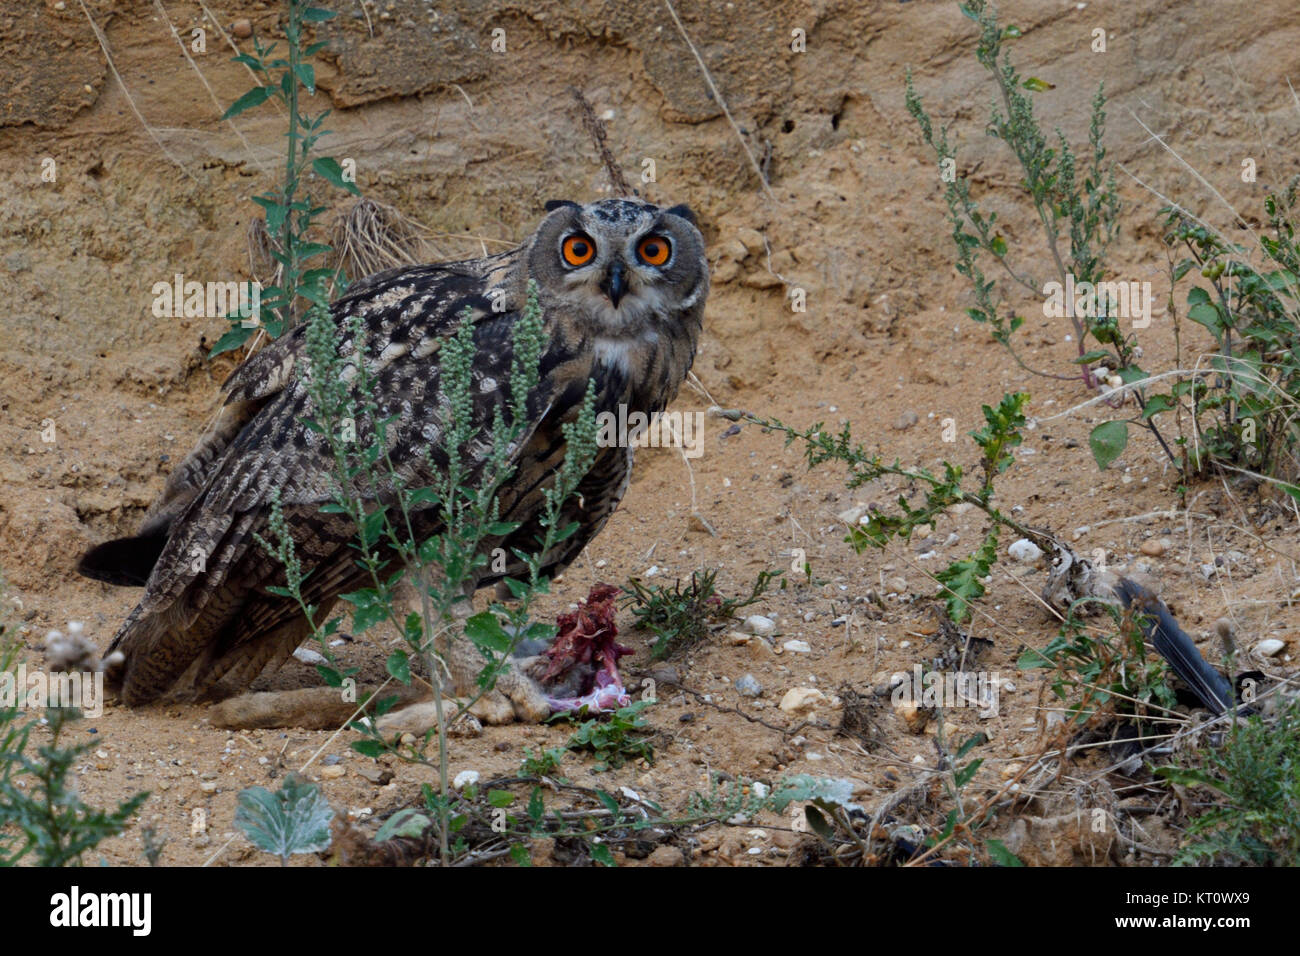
[(685, 212), (554, 204)]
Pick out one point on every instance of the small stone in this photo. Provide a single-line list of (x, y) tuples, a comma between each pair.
[(1270, 647), (1025, 551), (896, 585), (308, 656), (332, 772), (797, 647), (906, 420), (208, 786), (760, 625), (664, 674), (242, 28), (665, 856), (465, 778), (799, 700), (330, 760), (1154, 547), (748, 686)]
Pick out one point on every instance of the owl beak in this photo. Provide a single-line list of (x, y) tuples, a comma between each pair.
[(615, 282)]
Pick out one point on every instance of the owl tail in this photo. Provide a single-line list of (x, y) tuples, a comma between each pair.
[(127, 562)]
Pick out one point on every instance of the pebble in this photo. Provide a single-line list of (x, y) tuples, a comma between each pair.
[(242, 28), (1269, 647), (665, 856), (896, 585), (664, 674), (465, 778), (332, 772), (308, 656), (906, 421), (797, 647), (799, 700), (1025, 551), (760, 625), (1154, 547), (748, 686)]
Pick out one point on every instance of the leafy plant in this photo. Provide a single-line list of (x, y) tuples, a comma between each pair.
[(290, 210), (441, 566), (294, 819), (1096, 672), (961, 823), (501, 817), (1243, 408), (1256, 774), (542, 764), (1077, 206), (41, 812), (1083, 210), (681, 617), (624, 735), (962, 581)]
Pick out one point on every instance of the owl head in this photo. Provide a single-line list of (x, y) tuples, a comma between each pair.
[(622, 264)]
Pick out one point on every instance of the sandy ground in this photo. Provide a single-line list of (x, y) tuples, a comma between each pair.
[(471, 143)]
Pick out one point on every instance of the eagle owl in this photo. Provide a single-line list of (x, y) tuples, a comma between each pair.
[(622, 286)]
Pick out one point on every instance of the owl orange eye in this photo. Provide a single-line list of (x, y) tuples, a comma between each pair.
[(654, 250), (578, 249)]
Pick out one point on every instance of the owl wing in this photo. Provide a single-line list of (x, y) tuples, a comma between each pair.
[(207, 612), (129, 561)]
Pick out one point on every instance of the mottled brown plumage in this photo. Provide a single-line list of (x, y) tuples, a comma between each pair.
[(207, 623)]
